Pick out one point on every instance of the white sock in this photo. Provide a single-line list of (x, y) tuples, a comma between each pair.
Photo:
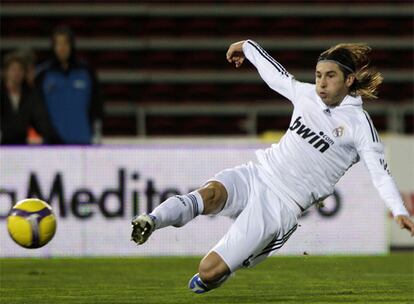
[(178, 210)]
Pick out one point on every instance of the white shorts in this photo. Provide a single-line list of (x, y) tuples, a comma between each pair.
[(263, 222)]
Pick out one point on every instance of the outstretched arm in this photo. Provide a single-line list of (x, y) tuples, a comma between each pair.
[(372, 152), (271, 71), (387, 188)]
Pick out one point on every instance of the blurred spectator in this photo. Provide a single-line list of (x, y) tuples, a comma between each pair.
[(30, 58), (69, 89), (20, 107)]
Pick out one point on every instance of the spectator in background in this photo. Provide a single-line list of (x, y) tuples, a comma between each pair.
[(31, 59), (69, 89), (20, 107)]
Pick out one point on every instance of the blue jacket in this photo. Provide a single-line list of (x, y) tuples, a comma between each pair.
[(72, 100)]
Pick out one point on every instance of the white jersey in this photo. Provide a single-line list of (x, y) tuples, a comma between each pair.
[(322, 142)]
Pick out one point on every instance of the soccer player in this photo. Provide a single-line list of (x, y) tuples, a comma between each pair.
[(329, 132)]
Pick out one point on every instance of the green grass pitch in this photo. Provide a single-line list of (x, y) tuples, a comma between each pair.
[(305, 279)]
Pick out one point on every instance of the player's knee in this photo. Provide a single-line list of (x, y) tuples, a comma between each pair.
[(212, 268), (210, 274), (214, 196)]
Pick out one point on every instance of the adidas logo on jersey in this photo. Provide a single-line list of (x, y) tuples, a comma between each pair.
[(319, 141)]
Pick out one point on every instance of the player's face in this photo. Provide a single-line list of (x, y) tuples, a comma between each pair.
[(62, 47), (330, 83)]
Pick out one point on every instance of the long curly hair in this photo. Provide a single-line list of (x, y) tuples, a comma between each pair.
[(353, 58)]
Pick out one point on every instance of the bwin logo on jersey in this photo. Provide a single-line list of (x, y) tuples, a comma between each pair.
[(316, 140)]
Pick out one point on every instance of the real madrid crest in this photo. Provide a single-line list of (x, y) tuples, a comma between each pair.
[(338, 132)]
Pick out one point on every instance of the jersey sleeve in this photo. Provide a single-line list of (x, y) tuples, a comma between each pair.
[(271, 71), (371, 150)]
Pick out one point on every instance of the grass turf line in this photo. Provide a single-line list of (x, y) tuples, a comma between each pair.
[(305, 279)]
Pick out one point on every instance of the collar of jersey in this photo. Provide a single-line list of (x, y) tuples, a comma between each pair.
[(347, 101), (351, 101)]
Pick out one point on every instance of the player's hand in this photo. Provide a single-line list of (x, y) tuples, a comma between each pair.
[(235, 53), (405, 223)]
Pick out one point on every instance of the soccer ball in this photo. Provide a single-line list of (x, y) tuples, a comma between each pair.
[(31, 223)]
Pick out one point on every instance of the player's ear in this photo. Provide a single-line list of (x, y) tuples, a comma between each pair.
[(350, 80)]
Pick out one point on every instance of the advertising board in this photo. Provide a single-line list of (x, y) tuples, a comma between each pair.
[(94, 192)]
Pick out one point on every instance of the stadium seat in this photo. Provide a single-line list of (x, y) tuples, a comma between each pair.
[(117, 91), (235, 26), (114, 59), (113, 26)]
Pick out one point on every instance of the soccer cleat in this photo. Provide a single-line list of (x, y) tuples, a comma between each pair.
[(196, 285), (142, 227)]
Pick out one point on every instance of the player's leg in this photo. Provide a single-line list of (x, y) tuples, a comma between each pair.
[(243, 238), (262, 228), (212, 272), (213, 269), (237, 250), (178, 210)]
